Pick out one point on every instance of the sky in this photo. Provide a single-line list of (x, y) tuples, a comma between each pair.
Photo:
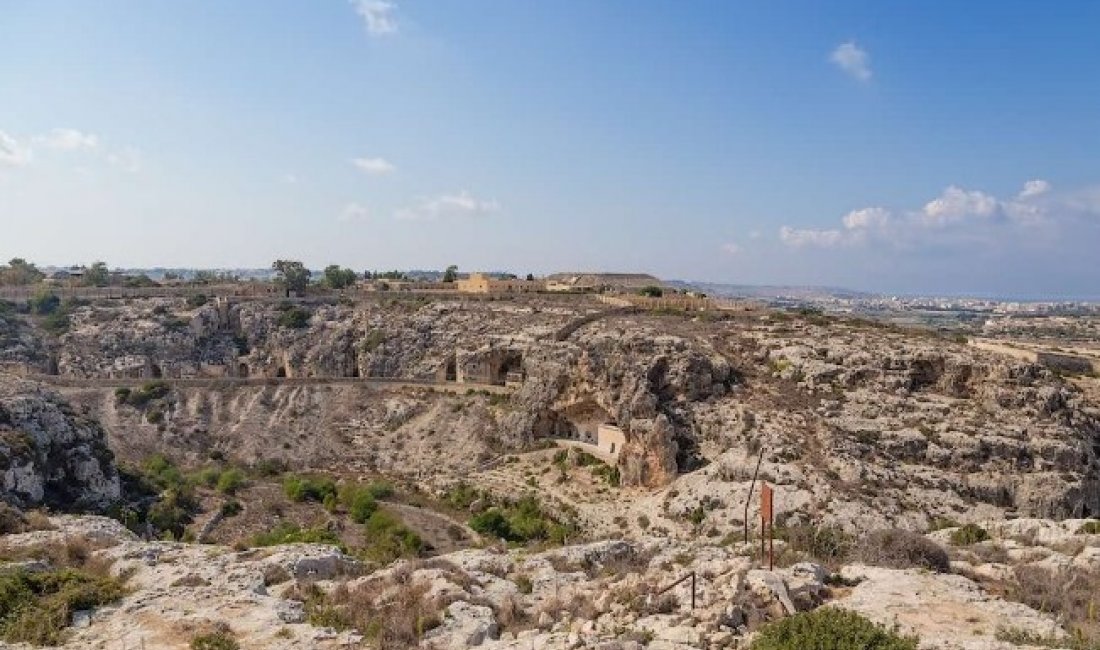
[(925, 147)]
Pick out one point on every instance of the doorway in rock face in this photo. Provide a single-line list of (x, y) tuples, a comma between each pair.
[(157, 372), (512, 362), (242, 370), (281, 372), (452, 369)]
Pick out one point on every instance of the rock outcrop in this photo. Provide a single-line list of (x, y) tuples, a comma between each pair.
[(51, 455)]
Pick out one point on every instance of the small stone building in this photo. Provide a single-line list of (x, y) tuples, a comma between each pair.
[(610, 439), (484, 283)]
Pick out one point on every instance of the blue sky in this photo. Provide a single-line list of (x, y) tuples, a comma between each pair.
[(900, 147)]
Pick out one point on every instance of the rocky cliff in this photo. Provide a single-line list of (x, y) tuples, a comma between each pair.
[(51, 455)]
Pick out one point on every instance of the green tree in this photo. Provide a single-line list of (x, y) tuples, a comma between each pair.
[(652, 291), (451, 274), (293, 275), (97, 275), (338, 278), (20, 272)]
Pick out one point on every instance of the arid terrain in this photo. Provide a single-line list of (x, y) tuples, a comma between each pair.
[(401, 470)]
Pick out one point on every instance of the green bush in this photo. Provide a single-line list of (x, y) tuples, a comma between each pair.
[(362, 506), (36, 607), (289, 533), (523, 521), (829, 628), (294, 317), (216, 640), (197, 300), (968, 534), (44, 303), (1090, 528), (389, 539), (230, 481), (308, 488), (148, 392)]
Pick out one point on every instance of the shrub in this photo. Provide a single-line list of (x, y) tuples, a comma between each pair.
[(231, 508), (362, 506), (389, 539), (221, 638), (36, 607), (148, 392), (197, 300), (308, 488), (829, 628), (289, 533), (1090, 528), (523, 521), (902, 549), (230, 481), (294, 317), (11, 519), (968, 534), (826, 544)]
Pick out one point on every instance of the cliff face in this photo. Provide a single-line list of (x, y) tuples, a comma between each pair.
[(859, 412), (50, 455)]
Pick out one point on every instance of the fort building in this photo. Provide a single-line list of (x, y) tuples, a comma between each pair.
[(485, 283)]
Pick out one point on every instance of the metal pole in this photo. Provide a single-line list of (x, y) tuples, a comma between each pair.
[(693, 590), (752, 486), (771, 542)]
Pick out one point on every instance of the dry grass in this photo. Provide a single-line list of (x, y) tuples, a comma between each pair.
[(895, 548)]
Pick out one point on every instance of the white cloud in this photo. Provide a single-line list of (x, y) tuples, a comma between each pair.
[(731, 248), (956, 215), (290, 179), (462, 204), (755, 234), (956, 204), (127, 159), (12, 153), (866, 218), (353, 212), (1032, 188), (853, 60), (377, 15), (68, 140), (373, 166), (807, 237)]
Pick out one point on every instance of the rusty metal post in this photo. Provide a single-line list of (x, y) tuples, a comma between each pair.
[(767, 522), (693, 590), (752, 486), (771, 542)]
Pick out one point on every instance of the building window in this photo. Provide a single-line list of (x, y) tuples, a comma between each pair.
[(612, 448)]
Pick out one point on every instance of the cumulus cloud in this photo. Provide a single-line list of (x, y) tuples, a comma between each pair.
[(955, 211), (853, 60), (12, 153), (1036, 187), (731, 248), (377, 15), (68, 140), (955, 204), (866, 218), (373, 166), (352, 212), (462, 204)]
